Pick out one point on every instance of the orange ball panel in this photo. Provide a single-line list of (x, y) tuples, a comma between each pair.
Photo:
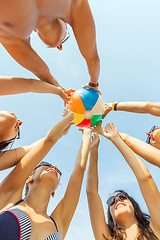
[(75, 104)]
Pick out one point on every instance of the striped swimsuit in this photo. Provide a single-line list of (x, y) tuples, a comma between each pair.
[(15, 225)]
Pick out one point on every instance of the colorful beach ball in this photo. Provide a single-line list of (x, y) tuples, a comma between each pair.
[(87, 106)]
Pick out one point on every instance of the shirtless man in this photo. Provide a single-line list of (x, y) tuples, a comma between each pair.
[(18, 18)]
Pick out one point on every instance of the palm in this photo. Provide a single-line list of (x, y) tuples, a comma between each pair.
[(111, 130)]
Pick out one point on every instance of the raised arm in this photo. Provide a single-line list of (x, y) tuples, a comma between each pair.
[(97, 216), (146, 183), (25, 55), (66, 208), (16, 179), (146, 151), (85, 34), (152, 108), (12, 85), (12, 157)]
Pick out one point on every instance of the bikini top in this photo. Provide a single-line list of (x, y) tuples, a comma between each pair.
[(15, 224)]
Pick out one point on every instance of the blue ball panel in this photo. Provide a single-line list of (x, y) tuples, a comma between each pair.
[(89, 97)]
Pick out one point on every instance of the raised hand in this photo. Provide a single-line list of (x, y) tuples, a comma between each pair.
[(66, 111), (111, 131), (108, 108), (95, 142)]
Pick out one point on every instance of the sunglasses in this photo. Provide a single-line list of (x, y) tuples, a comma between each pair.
[(151, 130), (48, 165), (112, 199), (66, 37)]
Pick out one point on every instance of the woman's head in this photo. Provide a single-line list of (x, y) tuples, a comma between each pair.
[(122, 208), (9, 128), (154, 137), (44, 175), (54, 33)]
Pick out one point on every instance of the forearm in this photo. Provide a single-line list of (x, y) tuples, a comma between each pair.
[(85, 34), (139, 107), (24, 54), (82, 156), (57, 131), (92, 173), (94, 69), (12, 85), (143, 149), (138, 167), (12, 157)]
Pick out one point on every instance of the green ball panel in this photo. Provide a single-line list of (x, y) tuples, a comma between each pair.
[(96, 119)]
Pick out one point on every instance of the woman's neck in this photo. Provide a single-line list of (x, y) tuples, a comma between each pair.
[(38, 199), (131, 228), (132, 232)]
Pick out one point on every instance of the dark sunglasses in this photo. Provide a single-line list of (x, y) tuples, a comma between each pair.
[(112, 199), (48, 165), (151, 130), (12, 139)]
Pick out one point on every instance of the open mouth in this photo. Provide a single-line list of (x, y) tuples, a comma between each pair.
[(120, 204), (52, 170)]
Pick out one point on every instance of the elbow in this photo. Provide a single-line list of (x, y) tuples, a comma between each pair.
[(95, 60), (31, 84), (49, 140), (91, 194), (145, 176), (148, 106)]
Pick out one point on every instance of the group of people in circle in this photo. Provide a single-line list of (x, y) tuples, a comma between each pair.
[(27, 218)]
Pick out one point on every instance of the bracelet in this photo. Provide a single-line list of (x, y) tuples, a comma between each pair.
[(93, 84), (114, 106)]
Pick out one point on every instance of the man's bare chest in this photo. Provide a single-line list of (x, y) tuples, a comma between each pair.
[(18, 17)]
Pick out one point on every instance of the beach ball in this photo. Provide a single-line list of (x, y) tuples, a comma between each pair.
[(87, 106)]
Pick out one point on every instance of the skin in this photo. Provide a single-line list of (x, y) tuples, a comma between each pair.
[(152, 108), (9, 125), (48, 19), (137, 146), (154, 137), (124, 214), (43, 182), (12, 157), (13, 85), (146, 151)]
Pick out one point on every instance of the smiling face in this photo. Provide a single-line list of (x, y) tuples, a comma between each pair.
[(9, 125), (154, 137), (122, 209), (46, 176)]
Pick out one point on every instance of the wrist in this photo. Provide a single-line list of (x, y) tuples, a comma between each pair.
[(93, 84), (115, 139), (94, 150), (114, 106)]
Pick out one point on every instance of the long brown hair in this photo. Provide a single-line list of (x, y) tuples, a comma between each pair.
[(143, 223)]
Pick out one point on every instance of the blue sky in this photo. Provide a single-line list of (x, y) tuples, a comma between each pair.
[(128, 37)]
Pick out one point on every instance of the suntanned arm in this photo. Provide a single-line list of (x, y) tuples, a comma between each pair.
[(25, 55), (15, 181), (152, 108), (85, 34), (12, 157), (97, 216), (13, 85), (66, 208), (146, 183), (146, 151)]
